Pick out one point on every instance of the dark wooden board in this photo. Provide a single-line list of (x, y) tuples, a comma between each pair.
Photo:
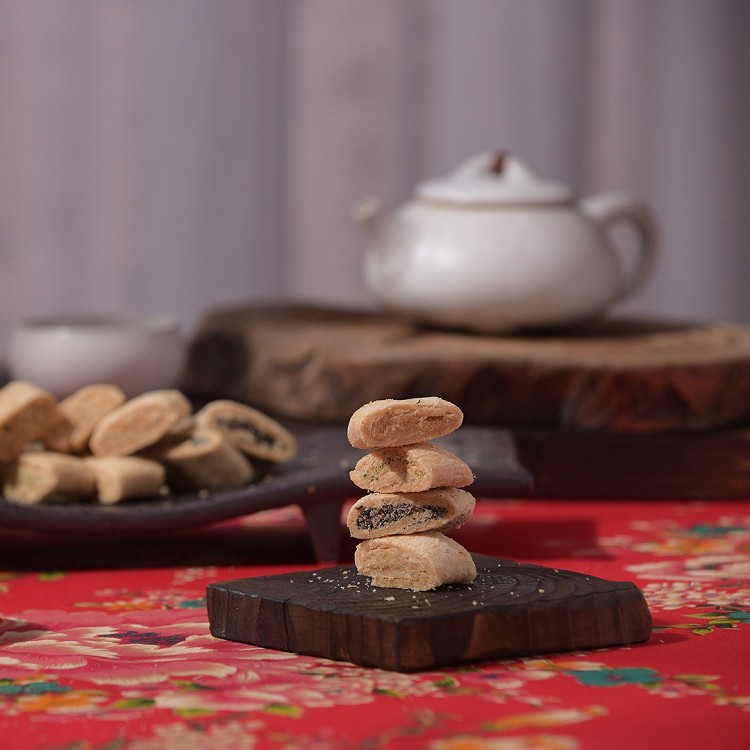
[(611, 376), (510, 610)]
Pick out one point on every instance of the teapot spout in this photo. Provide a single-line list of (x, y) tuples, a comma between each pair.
[(369, 213)]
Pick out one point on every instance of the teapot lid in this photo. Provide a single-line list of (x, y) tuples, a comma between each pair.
[(493, 178)]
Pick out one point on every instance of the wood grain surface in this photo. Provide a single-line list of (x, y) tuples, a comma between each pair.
[(510, 610), (613, 376)]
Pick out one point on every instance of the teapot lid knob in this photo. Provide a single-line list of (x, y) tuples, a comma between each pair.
[(493, 177), (499, 163)]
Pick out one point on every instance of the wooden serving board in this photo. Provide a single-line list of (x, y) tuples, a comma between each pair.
[(510, 610), (614, 376)]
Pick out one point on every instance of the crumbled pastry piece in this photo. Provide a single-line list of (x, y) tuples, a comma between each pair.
[(78, 414), (419, 562), (39, 476), (253, 432), (384, 514), (26, 412), (393, 422), (204, 459), (410, 468), (138, 423), (122, 477)]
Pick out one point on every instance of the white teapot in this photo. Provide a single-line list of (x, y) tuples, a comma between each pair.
[(492, 248)]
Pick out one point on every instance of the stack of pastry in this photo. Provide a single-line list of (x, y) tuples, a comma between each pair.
[(414, 495)]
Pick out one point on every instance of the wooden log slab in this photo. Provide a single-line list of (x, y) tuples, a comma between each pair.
[(618, 376), (510, 610)]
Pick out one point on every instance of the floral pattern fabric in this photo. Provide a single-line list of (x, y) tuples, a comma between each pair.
[(105, 645)]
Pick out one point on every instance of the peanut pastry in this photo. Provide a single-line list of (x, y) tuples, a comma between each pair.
[(410, 468), (382, 514), (26, 412), (392, 422), (122, 477), (204, 460), (138, 423), (78, 414), (253, 432), (39, 476), (419, 562)]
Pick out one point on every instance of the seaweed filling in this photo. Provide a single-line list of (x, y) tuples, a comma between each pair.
[(233, 424), (376, 518)]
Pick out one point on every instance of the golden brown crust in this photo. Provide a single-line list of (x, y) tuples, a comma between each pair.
[(392, 422), (78, 414), (410, 468), (138, 423), (419, 562), (39, 476), (26, 412), (205, 460), (385, 514), (123, 477), (253, 432)]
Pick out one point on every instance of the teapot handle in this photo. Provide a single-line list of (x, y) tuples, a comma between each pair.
[(607, 209)]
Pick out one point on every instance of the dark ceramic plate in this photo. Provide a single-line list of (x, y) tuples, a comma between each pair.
[(317, 480)]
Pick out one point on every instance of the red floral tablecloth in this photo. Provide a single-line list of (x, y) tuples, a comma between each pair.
[(105, 644)]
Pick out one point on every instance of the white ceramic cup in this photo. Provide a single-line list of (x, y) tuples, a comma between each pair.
[(63, 354)]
